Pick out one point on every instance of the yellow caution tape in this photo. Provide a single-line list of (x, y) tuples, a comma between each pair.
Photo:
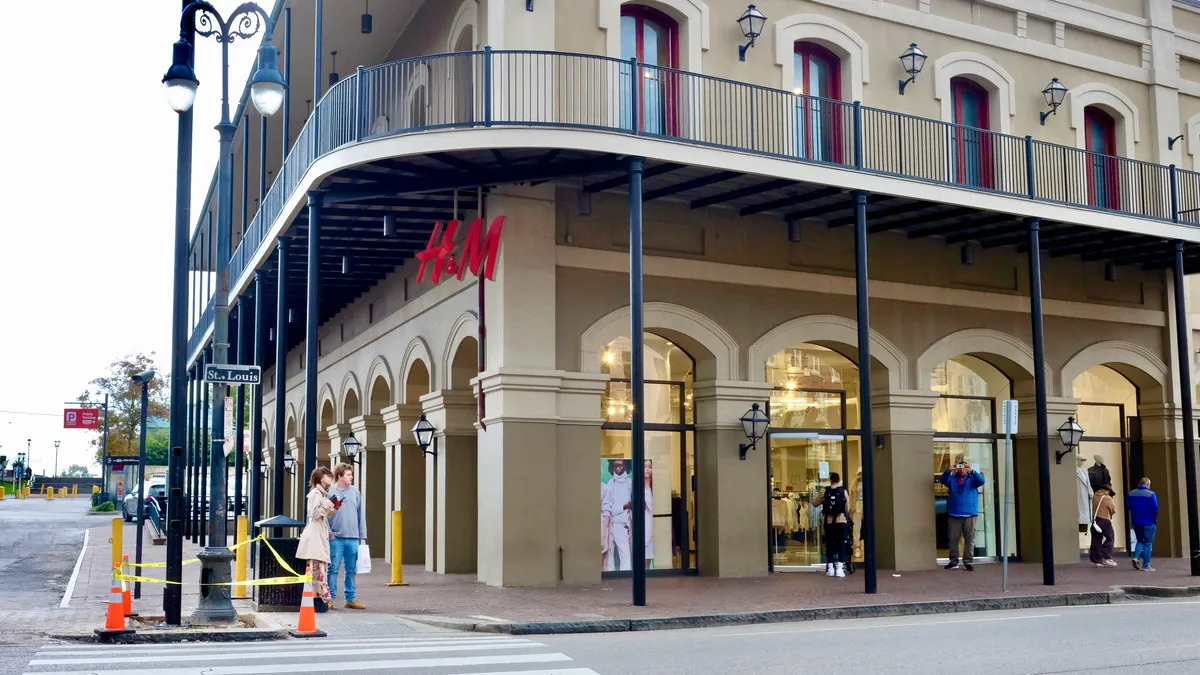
[(192, 560), (295, 578)]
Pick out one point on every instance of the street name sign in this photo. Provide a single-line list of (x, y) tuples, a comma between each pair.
[(232, 374)]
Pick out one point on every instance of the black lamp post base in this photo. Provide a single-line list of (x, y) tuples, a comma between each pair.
[(216, 604)]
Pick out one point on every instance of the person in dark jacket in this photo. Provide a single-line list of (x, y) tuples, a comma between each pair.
[(1099, 475), (962, 505), (1143, 517)]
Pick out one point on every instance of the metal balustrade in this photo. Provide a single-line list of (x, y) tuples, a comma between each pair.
[(492, 88)]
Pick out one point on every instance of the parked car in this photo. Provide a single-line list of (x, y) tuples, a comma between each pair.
[(156, 490)]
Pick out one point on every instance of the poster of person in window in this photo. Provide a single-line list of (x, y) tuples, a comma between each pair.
[(616, 514)]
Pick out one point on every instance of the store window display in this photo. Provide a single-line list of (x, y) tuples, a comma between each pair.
[(814, 418), (1105, 397), (669, 468), (965, 429)]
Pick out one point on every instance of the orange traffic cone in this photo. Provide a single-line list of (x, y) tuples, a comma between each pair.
[(114, 623), (126, 599), (306, 627)]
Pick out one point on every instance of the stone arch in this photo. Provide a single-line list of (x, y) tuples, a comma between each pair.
[(467, 17), (416, 355), (326, 408), (463, 365), (290, 427), (692, 16), (715, 351), (351, 401), (1137, 364), (1112, 101), (837, 333), (832, 34), (379, 386), (465, 326), (1011, 356), (990, 75)]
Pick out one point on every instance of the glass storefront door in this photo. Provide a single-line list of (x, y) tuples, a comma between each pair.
[(982, 456), (1105, 437), (801, 466)]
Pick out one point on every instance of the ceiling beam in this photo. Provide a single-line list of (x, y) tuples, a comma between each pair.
[(790, 200), (884, 213), (700, 182), (975, 229), (617, 181), (835, 206), (747, 191)]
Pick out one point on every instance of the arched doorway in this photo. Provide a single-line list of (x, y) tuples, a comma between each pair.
[(813, 435), (965, 431), (1108, 404), (670, 457)]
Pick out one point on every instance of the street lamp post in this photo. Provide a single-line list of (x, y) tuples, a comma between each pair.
[(142, 378), (266, 92), (56, 458)]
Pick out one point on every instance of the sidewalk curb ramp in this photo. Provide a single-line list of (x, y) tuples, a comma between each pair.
[(153, 636), (1115, 594)]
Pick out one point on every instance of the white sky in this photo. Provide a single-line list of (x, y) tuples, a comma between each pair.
[(87, 200)]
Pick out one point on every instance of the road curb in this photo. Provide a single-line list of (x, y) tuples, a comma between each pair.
[(1113, 595), (160, 637)]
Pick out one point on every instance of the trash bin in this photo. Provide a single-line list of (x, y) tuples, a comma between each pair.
[(283, 597)]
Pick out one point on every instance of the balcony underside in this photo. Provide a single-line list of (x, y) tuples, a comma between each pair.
[(420, 190)]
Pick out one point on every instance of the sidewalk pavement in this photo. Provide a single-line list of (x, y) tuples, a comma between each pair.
[(459, 601)]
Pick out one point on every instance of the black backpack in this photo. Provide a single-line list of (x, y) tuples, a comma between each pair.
[(834, 504)]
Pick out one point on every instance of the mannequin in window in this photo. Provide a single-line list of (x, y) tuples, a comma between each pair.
[(1098, 475), (1084, 494)]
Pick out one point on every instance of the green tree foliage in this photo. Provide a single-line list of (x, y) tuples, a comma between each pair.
[(125, 403), (74, 471), (3, 462)]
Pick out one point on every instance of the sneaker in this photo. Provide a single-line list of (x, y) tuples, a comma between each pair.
[(354, 604), (1101, 565), (1110, 563), (952, 565), (829, 571), (840, 569), (1147, 568), (969, 566), (1137, 564)]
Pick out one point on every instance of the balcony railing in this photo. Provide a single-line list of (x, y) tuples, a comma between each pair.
[(196, 339), (493, 88)]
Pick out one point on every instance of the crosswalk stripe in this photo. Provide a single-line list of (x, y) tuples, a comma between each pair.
[(341, 666), (552, 671), (425, 637), (224, 656), (169, 651)]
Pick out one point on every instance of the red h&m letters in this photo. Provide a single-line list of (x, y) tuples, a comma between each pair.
[(478, 253)]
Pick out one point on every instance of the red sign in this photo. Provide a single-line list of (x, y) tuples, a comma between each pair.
[(81, 418), (478, 251)]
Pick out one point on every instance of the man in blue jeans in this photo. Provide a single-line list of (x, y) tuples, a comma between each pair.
[(349, 529), (1143, 517)]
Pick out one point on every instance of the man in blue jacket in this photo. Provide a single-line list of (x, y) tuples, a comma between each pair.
[(1143, 518), (962, 505)]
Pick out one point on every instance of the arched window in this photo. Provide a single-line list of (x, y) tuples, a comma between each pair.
[(653, 39), (1100, 132), (670, 456), (972, 146), (1108, 410), (818, 126)]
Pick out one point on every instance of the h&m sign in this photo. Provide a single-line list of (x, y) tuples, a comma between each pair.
[(478, 253)]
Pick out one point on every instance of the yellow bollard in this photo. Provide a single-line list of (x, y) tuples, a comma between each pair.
[(239, 573), (48, 492), (95, 489), (1, 492), (397, 550), (74, 491), (116, 542), (62, 493)]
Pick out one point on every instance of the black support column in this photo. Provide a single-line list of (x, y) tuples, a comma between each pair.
[(1039, 384), (194, 464), (256, 413), (866, 443), (313, 318), (1185, 400), (637, 379), (187, 456), (239, 413), (205, 455), (281, 337)]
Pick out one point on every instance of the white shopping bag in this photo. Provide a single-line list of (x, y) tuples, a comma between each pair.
[(364, 559), (1132, 539)]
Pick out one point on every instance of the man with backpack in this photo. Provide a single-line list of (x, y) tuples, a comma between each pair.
[(833, 502), (962, 505)]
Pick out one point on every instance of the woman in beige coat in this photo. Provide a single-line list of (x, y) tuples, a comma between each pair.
[(314, 540)]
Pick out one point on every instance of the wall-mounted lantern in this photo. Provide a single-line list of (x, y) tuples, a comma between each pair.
[(754, 425), (424, 431), (1070, 433), (1054, 92), (751, 22), (913, 60)]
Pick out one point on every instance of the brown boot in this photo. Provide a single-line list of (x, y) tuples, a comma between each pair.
[(354, 604)]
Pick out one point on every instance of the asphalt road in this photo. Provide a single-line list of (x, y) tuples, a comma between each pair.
[(1154, 638), (39, 543)]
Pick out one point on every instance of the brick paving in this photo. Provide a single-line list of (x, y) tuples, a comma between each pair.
[(461, 597)]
